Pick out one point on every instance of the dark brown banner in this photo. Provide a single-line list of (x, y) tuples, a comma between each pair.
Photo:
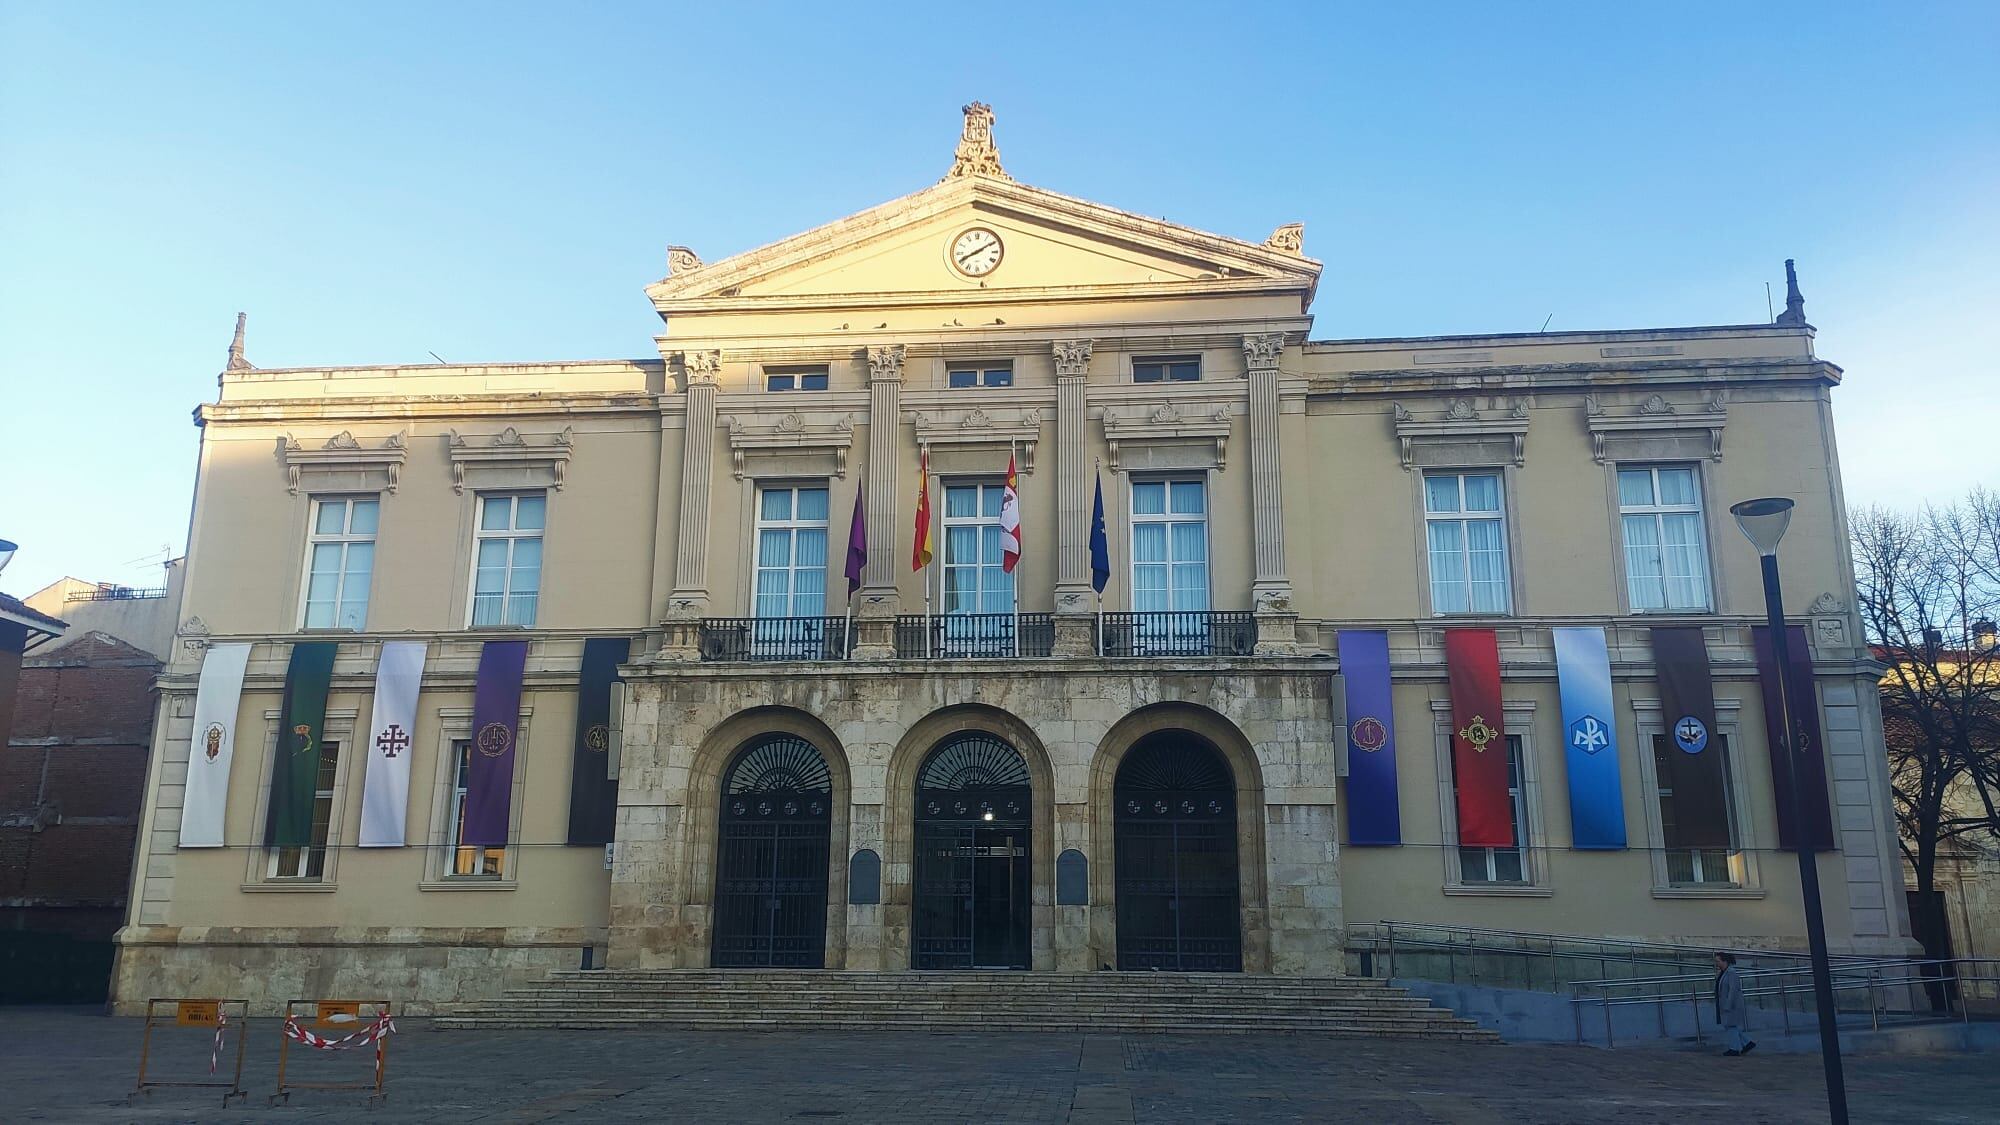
[(1808, 752), (1694, 750)]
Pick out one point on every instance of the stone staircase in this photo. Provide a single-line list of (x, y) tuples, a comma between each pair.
[(1179, 1003)]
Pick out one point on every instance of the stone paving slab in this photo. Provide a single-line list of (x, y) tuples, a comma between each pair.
[(73, 1066)]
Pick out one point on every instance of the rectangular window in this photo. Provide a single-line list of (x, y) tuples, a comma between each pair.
[(1169, 546), (1691, 867), (309, 863), (1166, 368), (340, 560), (471, 862), (1001, 375), (976, 593), (1666, 561), (507, 558), (1467, 539), (1501, 865), (791, 551), (795, 378)]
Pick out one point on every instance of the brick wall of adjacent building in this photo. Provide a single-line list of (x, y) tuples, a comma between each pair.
[(72, 777)]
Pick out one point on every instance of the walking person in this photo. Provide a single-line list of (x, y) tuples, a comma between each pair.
[(1729, 1011)]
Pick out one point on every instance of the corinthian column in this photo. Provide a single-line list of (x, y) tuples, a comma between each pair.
[(1271, 589), (689, 600), (1074, 631), (875, 613)]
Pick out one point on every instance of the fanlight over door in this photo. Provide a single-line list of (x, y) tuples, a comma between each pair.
[(972, 895)]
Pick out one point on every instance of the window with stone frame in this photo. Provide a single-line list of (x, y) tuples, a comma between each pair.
[(468, 861), (308, 864), (1465, 531), (1697, 867), (809, 378), (507, 558), (340, 562), (1166, 369), (960, 376), (1501, 865), (1666, 550)]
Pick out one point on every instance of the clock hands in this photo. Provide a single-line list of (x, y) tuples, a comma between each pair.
[(977, 250)]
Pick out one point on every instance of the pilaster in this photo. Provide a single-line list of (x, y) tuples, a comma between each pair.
[(1075, 634), (1271, 589), (689, 601), (875, 612)]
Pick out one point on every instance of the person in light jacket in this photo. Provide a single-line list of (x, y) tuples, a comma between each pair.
[(1729, 1011)]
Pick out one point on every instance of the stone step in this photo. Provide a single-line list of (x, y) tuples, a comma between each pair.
[(1439, 1032), (940, 1012)]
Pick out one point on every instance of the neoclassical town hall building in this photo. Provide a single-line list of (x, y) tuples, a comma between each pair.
[(489, 669)]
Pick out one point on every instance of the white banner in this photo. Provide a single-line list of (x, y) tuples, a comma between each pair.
[(385, 801), (213, 745)]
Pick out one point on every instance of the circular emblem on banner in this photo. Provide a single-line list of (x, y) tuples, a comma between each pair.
[(494, 739), (1589, 734), (597, 738), (1479, 734), (211, 741), (1690, 734), (1369, 734), (302, 738)]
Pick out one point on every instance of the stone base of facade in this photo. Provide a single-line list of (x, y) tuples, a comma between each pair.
[(422, 971)]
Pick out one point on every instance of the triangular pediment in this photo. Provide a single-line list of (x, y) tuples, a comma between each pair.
[(1052, 246)]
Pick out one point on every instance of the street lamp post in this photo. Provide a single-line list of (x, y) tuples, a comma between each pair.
[(1763, 522)]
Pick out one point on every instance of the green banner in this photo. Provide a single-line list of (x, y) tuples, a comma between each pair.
[(301, 726)]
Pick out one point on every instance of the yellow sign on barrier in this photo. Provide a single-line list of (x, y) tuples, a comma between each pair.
[(338, 1013), (197, 1013)]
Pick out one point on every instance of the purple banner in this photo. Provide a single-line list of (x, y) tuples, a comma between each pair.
[(1373, 815), (496, 717)]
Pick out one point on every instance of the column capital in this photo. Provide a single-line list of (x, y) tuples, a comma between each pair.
[(700, 366), (885, 363), (1072, 358), (1262, 349)]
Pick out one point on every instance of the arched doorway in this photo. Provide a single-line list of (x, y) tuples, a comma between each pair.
[(771, 857), (972, 902), (1175, 827)]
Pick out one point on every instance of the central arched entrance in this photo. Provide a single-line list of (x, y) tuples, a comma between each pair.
[(1175, 826), (771, 857), (972, 899)]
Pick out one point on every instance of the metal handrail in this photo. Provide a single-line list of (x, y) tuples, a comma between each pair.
[(964, 636), (1178, 633), (1464, 948), (774, 638), (116, 594)]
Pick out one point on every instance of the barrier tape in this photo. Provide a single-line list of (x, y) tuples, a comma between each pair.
[(221, 1022), (381, 1029)]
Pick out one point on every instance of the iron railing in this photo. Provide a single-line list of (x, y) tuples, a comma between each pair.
[(775, 638), (116, 594), (1495, 958), (968, 635), (1188, 633)]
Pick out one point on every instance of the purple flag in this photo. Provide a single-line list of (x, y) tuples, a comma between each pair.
[(496, 716), (1374, 815), (857, 545)]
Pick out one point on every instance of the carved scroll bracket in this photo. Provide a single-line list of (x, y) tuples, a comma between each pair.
[(1463, 433), (1655, 424), (1166, 424), (546, 456), (976, 427), (343, 453), (792, 434)]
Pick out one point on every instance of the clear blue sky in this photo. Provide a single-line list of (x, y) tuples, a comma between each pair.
[(373, 182)]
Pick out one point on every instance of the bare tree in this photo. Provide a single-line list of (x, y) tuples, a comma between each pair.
[(1929, 589)]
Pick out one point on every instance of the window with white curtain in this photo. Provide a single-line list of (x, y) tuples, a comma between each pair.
[(791, 551), (1666, 560), (1169, 546), (973, 577), (340, 560), (1501, 865), (507, 558), (1466, 537)]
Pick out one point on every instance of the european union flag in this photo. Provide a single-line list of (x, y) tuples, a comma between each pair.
[(1100, 548)]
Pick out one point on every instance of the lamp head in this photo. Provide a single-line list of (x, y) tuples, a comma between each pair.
[(7, 549), (1763, 521)]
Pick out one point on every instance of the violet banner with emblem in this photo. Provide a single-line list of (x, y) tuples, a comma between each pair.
[(593, 794), (295, 761), (1693, 751), (392, 719), (1590, 739), (496, 720), (1808, 750), (1374, 817), (213, 745)]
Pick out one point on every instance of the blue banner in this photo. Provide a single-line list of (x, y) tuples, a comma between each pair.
[(1590, 736), (1373, 817)]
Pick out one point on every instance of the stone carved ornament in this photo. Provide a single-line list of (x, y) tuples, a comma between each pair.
[(1072, 358), (977, 155), (509, 447), (1288, 239), (681, 260), (1261, 351), (1826, 604), (701, 366), (341, 451), (886, 362)]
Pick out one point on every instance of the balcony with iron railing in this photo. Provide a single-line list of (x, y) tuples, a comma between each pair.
[(969, 636)]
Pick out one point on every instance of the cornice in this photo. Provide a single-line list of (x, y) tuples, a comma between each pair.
[(372, 407), (1040, 294), (1582, 376)]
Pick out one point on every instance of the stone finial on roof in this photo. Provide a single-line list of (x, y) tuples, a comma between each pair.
[(1288, 239), (977, 155), (1795, 302), (681, 260), (236, 360)]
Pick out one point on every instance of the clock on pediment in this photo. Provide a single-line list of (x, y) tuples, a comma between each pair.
[(975, 252)]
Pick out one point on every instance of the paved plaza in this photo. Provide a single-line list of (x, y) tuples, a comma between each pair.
[(67, 1065)]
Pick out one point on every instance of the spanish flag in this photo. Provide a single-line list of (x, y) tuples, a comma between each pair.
[(920, 555)]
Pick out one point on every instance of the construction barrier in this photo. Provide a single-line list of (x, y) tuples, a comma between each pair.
[(204, 1014), (316, 1025)]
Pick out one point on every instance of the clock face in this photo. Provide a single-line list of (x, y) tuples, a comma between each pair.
[(976, 252)]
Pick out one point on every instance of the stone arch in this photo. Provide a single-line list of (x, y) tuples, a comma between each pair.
[(899, 823), (719, 748), (1244, 768)]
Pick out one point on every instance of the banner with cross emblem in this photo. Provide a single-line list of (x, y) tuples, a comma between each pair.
[(1691, 759), (1590, 739), (1479, 751), (385, 798)]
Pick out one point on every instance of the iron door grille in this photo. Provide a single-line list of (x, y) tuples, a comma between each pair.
[(1176, 856), (772, 856)]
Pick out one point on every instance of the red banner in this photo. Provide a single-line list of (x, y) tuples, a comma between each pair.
[(1478, 739)]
